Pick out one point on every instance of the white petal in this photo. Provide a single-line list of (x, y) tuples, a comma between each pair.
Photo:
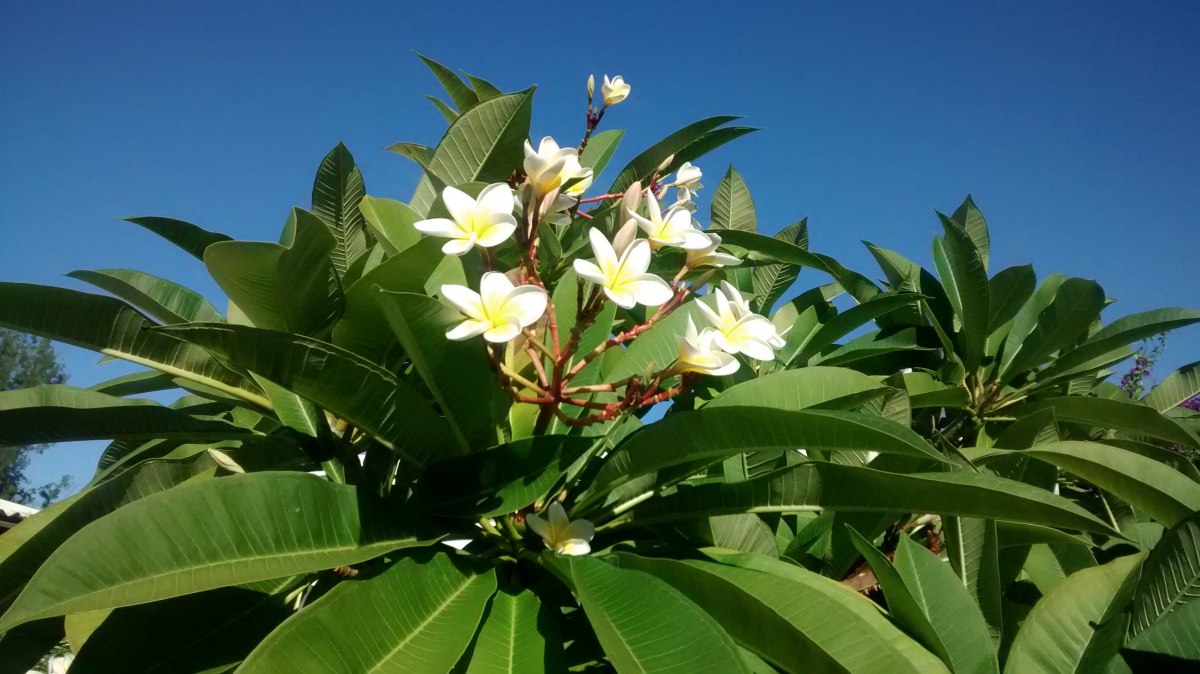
[(758, 327), (582, 530), (498, 232), (649, 290), (494, 289), (558, 517), (636, 259), (539, 525), (694, 240), (439, 227), (459, 203), (526, 303), (754, 348), (590, 272), (458, 246), (467, 329), (502, 332), (621, 298), (496, 198), (711, 315), (626, 235), (465, 300), (606, 258), (548, 146), (574, 548), (721, 364)]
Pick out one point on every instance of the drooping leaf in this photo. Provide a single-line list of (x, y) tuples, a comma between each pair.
[(167, 301), (187, 236), (1122, 415), (146, 381), (337, 191)]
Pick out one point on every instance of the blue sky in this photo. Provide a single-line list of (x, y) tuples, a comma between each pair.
[(1072, 123)]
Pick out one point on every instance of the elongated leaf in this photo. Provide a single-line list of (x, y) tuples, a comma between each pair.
[(707, 142), (771, 281), (518, 636), (818, 485), (1009, 290), (460, 93), (713, 434), (392, 222), (24, 646), (147, 381), (1171, 577), (416, 616), (456, 374), (859, 287), (641, 166), (600, 149), (963, 272), (111, 327), (1174, 635), (187, 236), (483, 88), (656, 348), (793, 618), (167, 301), (841, 324), (1179, 387), (483, 144), (150, 550), (645, 624), (233, 621), (973, 547), (732, 206), (448, 113), (1078, 626), (1121, 415), (292, 410), (971, 220), (1122, 332), (355, 389), (798, 389), (337, 191), (499, 480), (1044, 325), (60, 413)]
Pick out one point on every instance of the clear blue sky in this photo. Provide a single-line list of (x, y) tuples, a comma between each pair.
[(1074, 124)]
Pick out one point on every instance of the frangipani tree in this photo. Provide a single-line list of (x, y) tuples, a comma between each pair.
[(419, 439)]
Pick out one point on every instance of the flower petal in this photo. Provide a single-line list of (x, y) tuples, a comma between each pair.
[(756, 349), (711, 315), (496, 198), (468, 329), (458, 203), (538, 525), (582, 530), (649, 290), (606, 258), (574, 548), (527, 303), (503, 331), (443, 227), (590, 271), (494, 289), (498, 232), (458, 246), (621, 298), (636, 259)]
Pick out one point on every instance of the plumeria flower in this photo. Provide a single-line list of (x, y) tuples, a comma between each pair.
[(623, 277), (687, 181), (486, 221), (741, 307), (550, 166), (560, 534), (499, 311), (698, 353), (708, 256), (675, 229), (738, 330), (614, 90)]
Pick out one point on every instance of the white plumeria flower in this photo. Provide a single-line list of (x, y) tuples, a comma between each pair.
[(624, 278), (698, 353), (499, 311), (550, 166), (560, 534), (614, 90), (674, 229), (741, 307), (687, 180), (708, 256), (738, 330), (486, 221)]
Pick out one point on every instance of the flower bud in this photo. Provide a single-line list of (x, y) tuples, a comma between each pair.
[(666, 163), (591, 87), (614, 90)]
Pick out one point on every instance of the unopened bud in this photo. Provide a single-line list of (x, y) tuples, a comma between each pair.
[(225, 461), (666, 164), (591, 87)]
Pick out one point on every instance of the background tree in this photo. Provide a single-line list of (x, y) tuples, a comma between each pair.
[(27, 361)]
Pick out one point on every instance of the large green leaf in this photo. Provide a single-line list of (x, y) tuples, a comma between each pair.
[(193, 633), (1179, 387), (1008, 291), (971, 220), (484, 144), (460, 93), (416, 616), (641, 166), (818, 485), (23, 647), (843, 323), (645, 624), (973, 547), (347, 385), (963, 272), (600, 149), (793, 618), (799, 389), (1122, 332), (165, 300), (1079, 625), (60, 413), (337, 191), (113, 328), (392, 223), (187, 236), (656, 348), (713, 434), (771, 281), (292, 289), (210, 534), (1053, 318), (456, 373), (1174, 635), (1121, 415), (732, 206), (518, 636), (1171, 577)]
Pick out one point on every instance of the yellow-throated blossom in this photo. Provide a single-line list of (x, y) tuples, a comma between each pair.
[(623, 277), (738, 330), (499, 311), (673, 229), (699, 353), (485, 221), (614, 90), (708, 256), (550, 167), (560, 534)]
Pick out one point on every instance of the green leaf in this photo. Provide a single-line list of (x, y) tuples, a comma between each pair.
[(483, 88), (656, 348), (483, 144), (500, 480), (968, 217), (1171, 577), (1009, 290), (416, 616), (354, 389), (421, 154), (23, 647), (818, 485), (1174, 635), (150, 550), (1078, 626), (337, 191), (460, 93), (113, 328), (707, 142), (973, 547), (843, 323), (1122, 415), (798, 389), (600, 149), (1179, 387), (732, 205), (457, 374), (793, 618), (233, 621), (1057, 314), (1122, 332), (167, 301), (771, 281), (643, 165), (518, 636), (964, 277), (713, 434), (292, 410), (187, 236), (60, 413), (392, 222), (447, 112), (146, 381), (643, 623)]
